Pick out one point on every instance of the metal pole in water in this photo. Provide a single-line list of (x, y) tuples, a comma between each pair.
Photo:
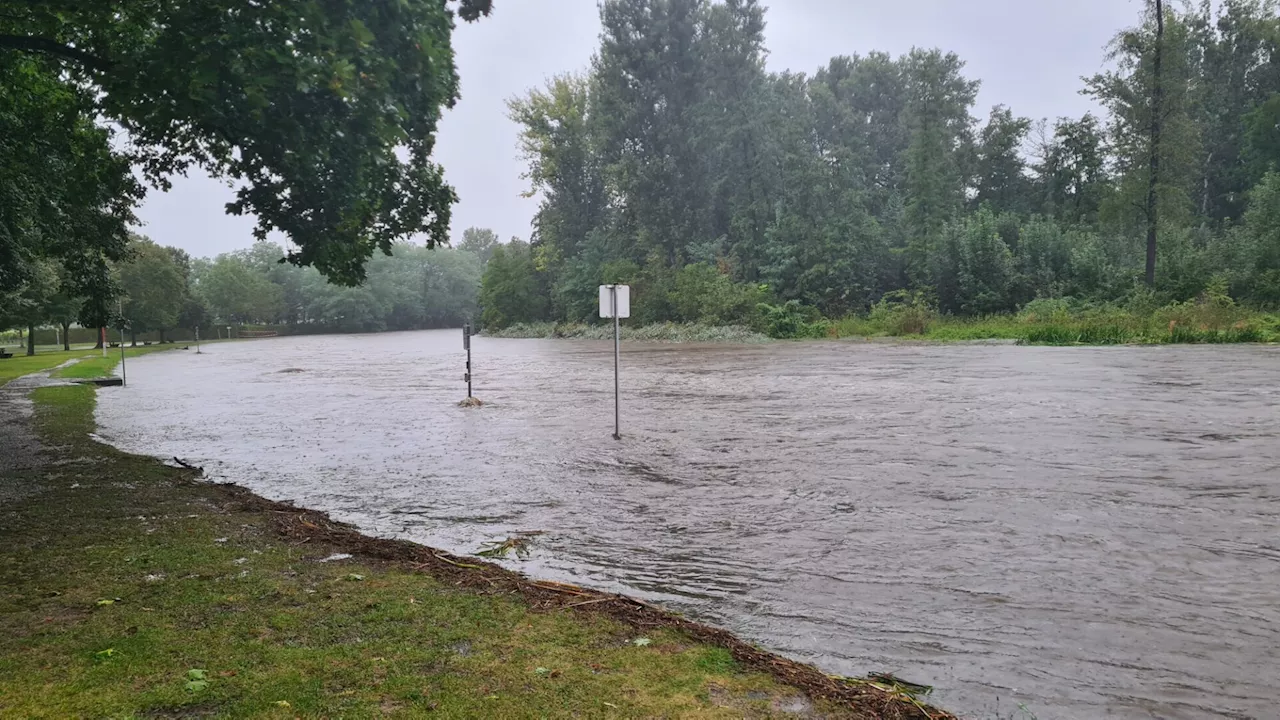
[(617, 351), (466, 341)]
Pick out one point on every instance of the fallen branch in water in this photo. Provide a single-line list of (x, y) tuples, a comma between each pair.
[(589, 602), (189, 466), (457, 564)]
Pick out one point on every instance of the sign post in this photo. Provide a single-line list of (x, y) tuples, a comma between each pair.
[(615, 302), (466, 344)]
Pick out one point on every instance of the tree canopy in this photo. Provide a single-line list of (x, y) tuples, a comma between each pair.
[(322, 114), (677, 153)]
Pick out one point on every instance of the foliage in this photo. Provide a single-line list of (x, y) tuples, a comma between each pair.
[(154, 289), (904, 313), (703, 294), (324, 114), (511, 291), (235, 293), (65, 195), (791, 321), (677, 156), (480, 242)]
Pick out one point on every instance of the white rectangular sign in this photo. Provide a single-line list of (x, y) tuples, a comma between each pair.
[(624, 301)]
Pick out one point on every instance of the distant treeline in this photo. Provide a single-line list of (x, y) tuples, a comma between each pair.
[(161, 291), (724, 193)]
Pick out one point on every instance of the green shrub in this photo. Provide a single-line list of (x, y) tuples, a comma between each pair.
[(702, 293), (792, 320), (904, 313), (1046, 310)]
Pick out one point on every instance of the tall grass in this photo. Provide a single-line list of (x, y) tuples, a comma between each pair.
[(1212, 320)]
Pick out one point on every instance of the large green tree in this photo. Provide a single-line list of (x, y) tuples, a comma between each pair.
[(480, 242), (1154, 134), (1071, 179), (323, 113), (65, 194), (28, 306), (235, 293), (649, 77), (560, 142), (1000, 173), (940, 128), (153, 286), (512, 292)]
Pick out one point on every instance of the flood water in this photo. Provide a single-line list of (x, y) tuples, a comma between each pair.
[(1093, 532)]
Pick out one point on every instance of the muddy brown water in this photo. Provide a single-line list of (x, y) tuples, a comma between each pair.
[(1090, 532)]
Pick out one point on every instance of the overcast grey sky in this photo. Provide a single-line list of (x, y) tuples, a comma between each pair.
[(1029, 54)]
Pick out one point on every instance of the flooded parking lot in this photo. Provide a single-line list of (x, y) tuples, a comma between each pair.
[(1093, 532)]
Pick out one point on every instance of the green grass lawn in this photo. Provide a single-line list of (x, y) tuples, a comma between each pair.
[(130, 590)]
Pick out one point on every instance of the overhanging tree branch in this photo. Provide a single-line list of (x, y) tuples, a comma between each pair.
[(25, 43)]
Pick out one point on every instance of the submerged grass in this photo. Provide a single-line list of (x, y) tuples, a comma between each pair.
[(20, 365), (95, 365), (91, 365), (129, 589)]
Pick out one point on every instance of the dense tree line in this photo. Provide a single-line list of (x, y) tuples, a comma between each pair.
[(679, 164), (161, 289)]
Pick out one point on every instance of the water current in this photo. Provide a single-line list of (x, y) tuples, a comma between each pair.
[(1090, 532)]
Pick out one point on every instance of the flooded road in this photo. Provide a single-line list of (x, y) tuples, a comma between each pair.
[(1093, 532)]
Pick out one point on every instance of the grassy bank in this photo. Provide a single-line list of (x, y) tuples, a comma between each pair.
[(130, 589), (1052, 323), (1098, 327), (658, 332), (1210, 319), (20, 365)]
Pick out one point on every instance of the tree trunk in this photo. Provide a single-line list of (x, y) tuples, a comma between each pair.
[(66, 336), (133, 336), (31, 339), (161, 336), (1157, 109), (101, 334)]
